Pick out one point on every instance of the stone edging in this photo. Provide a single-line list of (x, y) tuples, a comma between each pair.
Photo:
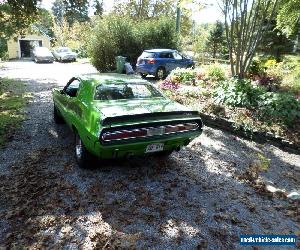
[(260, 137)]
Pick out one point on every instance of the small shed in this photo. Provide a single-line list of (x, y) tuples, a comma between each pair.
[(21, 46)]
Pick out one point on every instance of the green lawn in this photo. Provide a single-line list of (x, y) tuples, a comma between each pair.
[(291, 80), (12, 101)]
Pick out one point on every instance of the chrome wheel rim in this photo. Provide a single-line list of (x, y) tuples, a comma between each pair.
[(78, 148), (160, 73)]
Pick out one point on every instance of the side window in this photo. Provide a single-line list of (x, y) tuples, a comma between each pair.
[(72, 89), (177, 56), (170, 55), (166, 55)]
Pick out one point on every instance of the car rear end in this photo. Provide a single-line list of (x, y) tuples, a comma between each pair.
[(136, 135), (147, 63), (43, 54), (68, 56)]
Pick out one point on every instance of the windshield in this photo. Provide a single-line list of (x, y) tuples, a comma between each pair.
[(125, 91), (41, 49)]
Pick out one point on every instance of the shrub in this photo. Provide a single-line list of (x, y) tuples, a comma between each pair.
[(238, 92), (269, 106), (213, 108), (256, 67), (183, 75), (3, 49), (276, 73), (200, 74), (270, 63), (116, 35), (111, 37), (282, 107), (216, 73), (168, 84)]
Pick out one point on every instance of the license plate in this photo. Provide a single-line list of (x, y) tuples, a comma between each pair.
[(155, 148), (155, 131)]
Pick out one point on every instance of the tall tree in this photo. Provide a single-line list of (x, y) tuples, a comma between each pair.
[(98, 6), (16, 15), (144, 9), (44, 22), (288, 18), (244, 23), (58, 10), (72, 10), (77, 10), (275, 42), (216, 41)]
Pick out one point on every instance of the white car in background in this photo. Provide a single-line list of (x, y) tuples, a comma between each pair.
[(64, 54), (42, 54)]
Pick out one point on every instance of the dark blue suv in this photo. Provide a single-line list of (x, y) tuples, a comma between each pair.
[(160, 62)]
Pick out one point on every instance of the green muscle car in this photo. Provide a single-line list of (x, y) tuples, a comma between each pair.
[(115, 116)]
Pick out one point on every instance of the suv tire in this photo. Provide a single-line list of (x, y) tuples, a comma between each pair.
[(160, 73)]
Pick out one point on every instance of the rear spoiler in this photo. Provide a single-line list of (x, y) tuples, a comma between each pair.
[(155, 116)]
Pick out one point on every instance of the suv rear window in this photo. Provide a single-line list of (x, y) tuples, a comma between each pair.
[(147, 55), (125, 91)]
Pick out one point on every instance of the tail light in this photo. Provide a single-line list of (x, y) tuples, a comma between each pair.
[(151, 61), (124, 134), (181, 128), (147, 132)]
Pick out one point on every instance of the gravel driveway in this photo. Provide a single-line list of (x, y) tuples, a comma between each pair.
[(204, 196)]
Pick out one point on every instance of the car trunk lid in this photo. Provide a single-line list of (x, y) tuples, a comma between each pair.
[(139, 111)]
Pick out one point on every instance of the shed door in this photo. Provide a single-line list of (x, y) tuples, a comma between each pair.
[(27, 46)]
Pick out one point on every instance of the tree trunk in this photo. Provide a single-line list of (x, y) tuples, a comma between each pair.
[(244, 23)]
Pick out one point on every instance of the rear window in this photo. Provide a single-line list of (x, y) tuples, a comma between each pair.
[(125, 91), (64, 50), (147, 55)]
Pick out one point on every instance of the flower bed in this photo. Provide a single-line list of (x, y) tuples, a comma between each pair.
[(249, 106)]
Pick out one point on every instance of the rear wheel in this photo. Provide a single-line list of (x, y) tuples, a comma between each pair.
[(83, 157), (57, 116), (160, 73), (164, 154)]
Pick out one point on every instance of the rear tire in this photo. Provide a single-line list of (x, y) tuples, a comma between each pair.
[(83, 157), (160, 73), (164, 154), (57, 116)]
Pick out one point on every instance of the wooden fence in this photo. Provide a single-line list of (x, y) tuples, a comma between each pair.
[(207, 60)]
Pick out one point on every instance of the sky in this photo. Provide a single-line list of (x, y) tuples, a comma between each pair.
[(208, 15)]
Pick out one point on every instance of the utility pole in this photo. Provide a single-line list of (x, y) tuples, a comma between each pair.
[(178, 17)]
